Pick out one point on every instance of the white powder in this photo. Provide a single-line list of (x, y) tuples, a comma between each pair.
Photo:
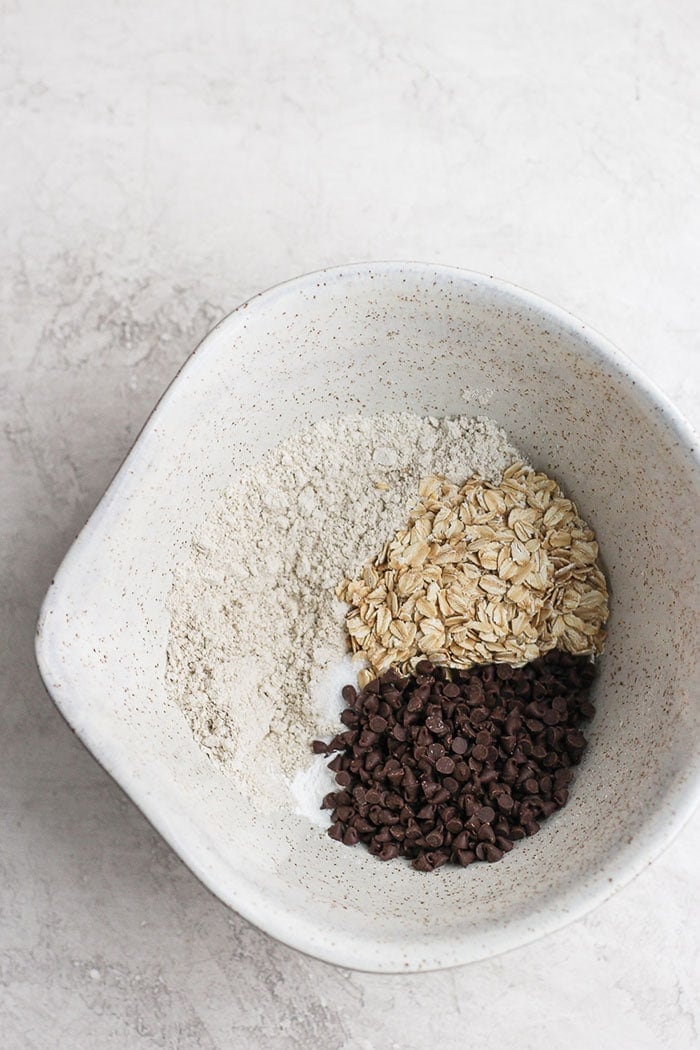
[(256, 653)]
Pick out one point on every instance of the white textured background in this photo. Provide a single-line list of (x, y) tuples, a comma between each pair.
[(159, 163)]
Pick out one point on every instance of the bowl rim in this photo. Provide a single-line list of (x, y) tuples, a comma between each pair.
[(299, 931)]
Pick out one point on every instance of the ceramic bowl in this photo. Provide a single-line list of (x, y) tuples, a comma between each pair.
[(441, 341)]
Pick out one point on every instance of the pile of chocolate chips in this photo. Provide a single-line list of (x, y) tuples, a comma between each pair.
[(454, 765)]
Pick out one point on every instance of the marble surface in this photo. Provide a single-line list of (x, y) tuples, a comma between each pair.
[(163, 162)]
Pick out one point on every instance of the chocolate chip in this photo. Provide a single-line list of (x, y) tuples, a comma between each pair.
[(512, 723), (436, 725), (349, 694), (336, 831), (434, 839), (575, 738), (445, 765)]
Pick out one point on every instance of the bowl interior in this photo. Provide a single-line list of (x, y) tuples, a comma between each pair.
[(378, 339)]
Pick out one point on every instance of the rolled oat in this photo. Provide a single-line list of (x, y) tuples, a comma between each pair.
[(483, 572)]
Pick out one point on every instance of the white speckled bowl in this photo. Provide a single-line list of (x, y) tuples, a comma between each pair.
[(439, 341)]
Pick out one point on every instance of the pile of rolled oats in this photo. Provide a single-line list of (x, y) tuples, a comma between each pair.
[(482, 573)]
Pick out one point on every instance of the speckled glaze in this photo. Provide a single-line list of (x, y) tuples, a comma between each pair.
[(382, 337)]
